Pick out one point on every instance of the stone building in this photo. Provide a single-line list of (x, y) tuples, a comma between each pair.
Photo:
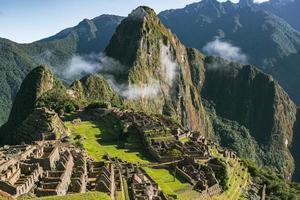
[(42, 169)]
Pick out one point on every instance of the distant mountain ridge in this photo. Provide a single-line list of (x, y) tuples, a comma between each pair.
[(89, 36), (268, 41), (286, 9)]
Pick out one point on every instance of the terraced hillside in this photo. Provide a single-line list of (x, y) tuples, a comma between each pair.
[(102, 136)]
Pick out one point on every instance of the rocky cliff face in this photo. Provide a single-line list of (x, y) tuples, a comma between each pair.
[(256, 101), (295, 150), (266, 41), (159, 70)]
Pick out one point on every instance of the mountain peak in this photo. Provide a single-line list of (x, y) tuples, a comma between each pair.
[(141, 12), (125, 42), (246, 2)]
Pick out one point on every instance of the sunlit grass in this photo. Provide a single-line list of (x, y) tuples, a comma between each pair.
[(98, 140), (77, 196)]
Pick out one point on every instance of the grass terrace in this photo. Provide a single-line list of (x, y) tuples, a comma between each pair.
[(77, 196), (98, 138), (238, 178)]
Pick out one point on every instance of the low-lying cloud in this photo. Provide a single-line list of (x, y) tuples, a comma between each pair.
[(145, 90), (260, 1), (225, 50), (168, 66), (152, 87), (90, 64), (79, 66), (135, 91)]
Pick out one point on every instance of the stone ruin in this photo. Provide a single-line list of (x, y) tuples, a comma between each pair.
[(55, 167), (201, 176), (42, 169), (50, 168), (134, 179), (41, 124), (160, 135)]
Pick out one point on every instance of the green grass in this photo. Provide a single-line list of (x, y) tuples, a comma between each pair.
[(165, 180), (99, 138), (78, 196)]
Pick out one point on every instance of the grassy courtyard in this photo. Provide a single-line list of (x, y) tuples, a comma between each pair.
[(99, 138), (78, 196)]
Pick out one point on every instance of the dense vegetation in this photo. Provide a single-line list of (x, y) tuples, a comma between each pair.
[(276, 186), (58, 100)]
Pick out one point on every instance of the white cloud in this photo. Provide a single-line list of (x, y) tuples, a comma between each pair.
[(89, 64), (147, 90), (260, 1), (224, 49), (78, 66), (168, 67)]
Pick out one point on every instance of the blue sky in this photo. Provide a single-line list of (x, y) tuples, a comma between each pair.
[(30, 20)]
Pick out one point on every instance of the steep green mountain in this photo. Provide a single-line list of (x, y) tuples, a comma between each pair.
[(89, 36), (36, 83), (15, 63), (249, 106), (268, 41), (159, 70), (255, 100), (39, 89)]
